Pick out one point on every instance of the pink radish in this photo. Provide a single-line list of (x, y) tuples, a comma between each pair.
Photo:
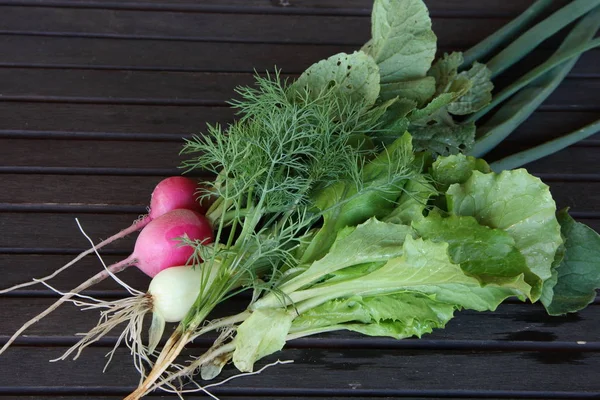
[(156, 249), (170, 194), (173, 193)]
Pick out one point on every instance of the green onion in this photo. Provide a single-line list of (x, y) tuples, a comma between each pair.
[(500, 37), (557, 59), (540, 32), (523, 104), (543, 150)]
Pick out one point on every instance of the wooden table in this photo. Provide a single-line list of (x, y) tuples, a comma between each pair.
[(95, 96)]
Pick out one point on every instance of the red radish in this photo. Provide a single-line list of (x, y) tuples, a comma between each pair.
[(156, 249), (173, 193), (170, 194)]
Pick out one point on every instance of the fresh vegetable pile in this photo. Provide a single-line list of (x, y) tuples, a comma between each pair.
[(353, 199)]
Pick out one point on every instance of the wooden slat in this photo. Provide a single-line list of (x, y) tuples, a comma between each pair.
[(577, 159), (345, 371), (60, 231), (197, 56), (161, 54), (61, 189), (19, 268), (257, 28), (83, 190), (515, 324), (126, 155), (90, 153), (98, 121), (496, 8), (191, 88), (105, 121), (192, 397)]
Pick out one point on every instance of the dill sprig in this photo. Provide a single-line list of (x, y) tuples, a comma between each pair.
[(287, 144)]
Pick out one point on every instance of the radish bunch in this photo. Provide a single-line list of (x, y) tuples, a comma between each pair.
[(174, 214)]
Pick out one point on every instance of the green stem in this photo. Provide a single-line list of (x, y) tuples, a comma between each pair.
[(526, 79), (484, 48), (515, 111), (543, 150), (540, 32), (221, 323)]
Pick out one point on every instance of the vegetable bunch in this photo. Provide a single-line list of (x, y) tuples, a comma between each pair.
[(353, 199)]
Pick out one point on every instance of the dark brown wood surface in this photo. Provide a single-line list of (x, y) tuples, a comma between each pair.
[(95, 98)]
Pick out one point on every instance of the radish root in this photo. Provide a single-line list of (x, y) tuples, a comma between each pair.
[(109, 271), (136, 226)]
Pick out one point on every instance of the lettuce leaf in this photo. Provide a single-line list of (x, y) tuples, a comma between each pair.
[(349, 203), (263, 333), (517, 203), (424, 267), (490, 255), (399, 315), (413, 201), (371, 241), (456, 168), (578, 275)]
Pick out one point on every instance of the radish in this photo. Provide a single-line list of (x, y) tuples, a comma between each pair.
[(171, 294), (156, 249), (170, 194)]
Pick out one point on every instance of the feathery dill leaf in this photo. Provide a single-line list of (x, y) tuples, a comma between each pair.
[(286, 145)]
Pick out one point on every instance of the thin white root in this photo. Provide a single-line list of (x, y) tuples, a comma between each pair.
[(137, 225), (204, 388), (130, 310), (131, 290)]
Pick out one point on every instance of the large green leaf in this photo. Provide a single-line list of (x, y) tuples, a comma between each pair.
[(263, 333), (518, 203), (355, 76), (413, 201), (445, 70), (420, 90), (487, 254), (424, 267), (371, 241), (578, 275), (456, 168), (398, 315), (403, 43), (443, 139), (348, 204), (479, 94)]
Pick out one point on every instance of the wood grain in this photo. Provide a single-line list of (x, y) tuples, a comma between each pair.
[(492, 8), (124, 155), (166, 55), (176, 88), (396, 371)]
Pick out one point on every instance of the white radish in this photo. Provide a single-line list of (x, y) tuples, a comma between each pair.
[(171, 294)]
